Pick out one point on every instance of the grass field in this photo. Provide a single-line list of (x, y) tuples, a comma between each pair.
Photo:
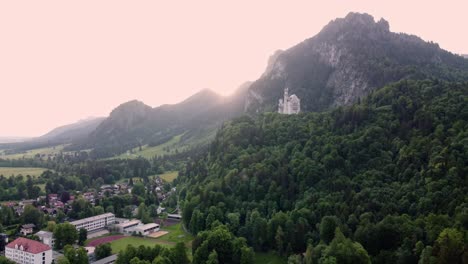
[(149, 152), (169, 176), (9, 171), (33, 152), (269, 258), (121, 244), (176, 234)]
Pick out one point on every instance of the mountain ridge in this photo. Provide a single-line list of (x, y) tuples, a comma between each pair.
[(346, 60)]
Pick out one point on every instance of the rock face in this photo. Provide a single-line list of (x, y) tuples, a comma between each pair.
[(350, 57)]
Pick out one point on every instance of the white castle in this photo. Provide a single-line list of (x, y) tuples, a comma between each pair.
[(289, 104)]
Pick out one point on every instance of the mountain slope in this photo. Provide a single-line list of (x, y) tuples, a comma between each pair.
[(134, 124), (389, 172), (73, 131), (61, 135), (350, 57)]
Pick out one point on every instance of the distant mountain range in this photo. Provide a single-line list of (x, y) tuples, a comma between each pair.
[(348, 59)]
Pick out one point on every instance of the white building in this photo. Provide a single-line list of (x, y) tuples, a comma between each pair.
[(290, 104), (27, 251), (128, 227), (47, 238), (95, 222), (147, 229)]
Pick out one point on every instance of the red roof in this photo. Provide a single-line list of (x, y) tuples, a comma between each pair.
[(30, 246)]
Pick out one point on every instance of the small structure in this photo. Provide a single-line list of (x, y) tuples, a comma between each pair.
[(27, 251), (147, 229), (27, 229), (47, 238), (108, 260), (289, 104), (174, 216), (128, 227)]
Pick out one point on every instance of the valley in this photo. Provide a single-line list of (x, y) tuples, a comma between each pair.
[(372, 169)]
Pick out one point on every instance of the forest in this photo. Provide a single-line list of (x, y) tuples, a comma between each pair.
[(381, 181)]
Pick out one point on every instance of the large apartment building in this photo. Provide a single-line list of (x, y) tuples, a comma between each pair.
[(95, 222), (27, 251)]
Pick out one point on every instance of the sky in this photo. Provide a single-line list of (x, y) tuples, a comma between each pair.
[(62, 61)]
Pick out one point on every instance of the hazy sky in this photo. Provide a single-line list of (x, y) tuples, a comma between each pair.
[(61, 61)]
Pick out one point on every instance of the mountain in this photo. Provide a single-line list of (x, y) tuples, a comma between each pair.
[(465, 56), (388, 173), (73, 131), (346, 60), (134, 124), (61, 135)]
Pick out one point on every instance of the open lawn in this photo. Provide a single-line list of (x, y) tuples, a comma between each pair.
[(33, 152), (169, 176), (176, 234), (268, 258), (121, 244), (148, 152), (13, 171)]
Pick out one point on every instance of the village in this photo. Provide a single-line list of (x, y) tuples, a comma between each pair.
[(29, 243)]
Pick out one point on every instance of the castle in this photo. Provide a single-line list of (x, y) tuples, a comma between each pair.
[(289, 104)]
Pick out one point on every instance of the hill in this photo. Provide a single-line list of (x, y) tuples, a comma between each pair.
[(136, 125), (388, 171), (61, 135), (348, 59)]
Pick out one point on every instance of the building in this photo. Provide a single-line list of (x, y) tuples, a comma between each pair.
[(290, 104), (147, 229), (27, 229), (174, 216), (27, 251), (128, 227), (47, 238), (95, 222)]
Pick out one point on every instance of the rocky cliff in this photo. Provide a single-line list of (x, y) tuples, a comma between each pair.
[(349, 58)]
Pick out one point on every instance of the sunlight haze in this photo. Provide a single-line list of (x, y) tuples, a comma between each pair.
[(62, 61)]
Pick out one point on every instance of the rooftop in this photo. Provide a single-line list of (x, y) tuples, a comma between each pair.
[(28, 226), (129, 223), (44, 234), (93, 218), (147, 226), (28, 245)]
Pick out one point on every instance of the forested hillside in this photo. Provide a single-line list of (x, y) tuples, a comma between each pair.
[(383, 180)]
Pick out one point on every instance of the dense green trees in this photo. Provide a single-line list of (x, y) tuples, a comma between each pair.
[(65, 234), (153, 255), (82, 236), (102, 251), (389, 171), (218, 245), (75, 256)]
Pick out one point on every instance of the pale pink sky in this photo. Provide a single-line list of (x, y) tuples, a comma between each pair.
[(61, 61)]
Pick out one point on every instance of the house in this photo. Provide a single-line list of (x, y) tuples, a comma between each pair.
[(27, 229), (147, 229), (95, 222), (47, 238), (27, 251)]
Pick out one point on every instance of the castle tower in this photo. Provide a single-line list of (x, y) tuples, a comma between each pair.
[(289, 104)]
